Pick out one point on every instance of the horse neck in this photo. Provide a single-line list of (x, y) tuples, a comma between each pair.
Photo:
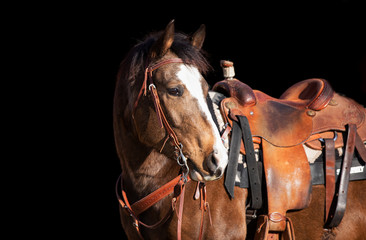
[(144, 168)]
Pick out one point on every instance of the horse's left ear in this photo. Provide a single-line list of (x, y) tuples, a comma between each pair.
[(199, 37), (165, 41)]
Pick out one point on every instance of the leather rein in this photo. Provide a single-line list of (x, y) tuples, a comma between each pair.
[(175, 186)]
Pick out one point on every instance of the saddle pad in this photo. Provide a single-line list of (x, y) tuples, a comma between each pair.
[(316, 161), (357, 172)]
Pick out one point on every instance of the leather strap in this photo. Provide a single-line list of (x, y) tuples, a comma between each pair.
[(242, 131), (145, 203), (180, 213), (175, 186), (232, 166), (200, 193), (148, 75), (162, 119), (289, 233), (262, 228), (254, 181), (339, 203), (329, 173)]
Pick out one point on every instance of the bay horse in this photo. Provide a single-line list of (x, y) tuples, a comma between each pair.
[(163, 131)]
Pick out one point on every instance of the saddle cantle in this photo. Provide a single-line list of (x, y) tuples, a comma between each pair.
[(306, 112)]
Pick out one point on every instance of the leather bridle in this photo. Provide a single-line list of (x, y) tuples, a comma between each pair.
[(175, 186), (181, 159)]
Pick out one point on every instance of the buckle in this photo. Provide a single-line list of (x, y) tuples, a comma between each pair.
[(251, 214), (182, 162), (334, 138)]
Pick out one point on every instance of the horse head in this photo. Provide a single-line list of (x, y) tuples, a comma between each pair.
[(174, 65)]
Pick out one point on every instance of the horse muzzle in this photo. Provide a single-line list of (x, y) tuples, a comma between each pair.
[(213, 167)]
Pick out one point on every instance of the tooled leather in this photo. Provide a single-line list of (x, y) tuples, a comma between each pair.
[(148, 201), (334, 118)]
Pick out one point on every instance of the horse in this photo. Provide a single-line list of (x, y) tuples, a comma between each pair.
[(169, 147)]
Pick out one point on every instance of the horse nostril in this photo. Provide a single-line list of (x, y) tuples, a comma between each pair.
[(218, 172), (212, 163)]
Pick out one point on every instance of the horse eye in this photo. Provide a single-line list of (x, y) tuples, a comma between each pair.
[(177, 91)]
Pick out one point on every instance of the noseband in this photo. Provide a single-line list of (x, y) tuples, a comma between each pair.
[(181, 159)]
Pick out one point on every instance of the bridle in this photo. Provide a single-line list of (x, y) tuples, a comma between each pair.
[(181, 159), (175, 186)]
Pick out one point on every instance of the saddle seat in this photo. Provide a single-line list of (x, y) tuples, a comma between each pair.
[(282, 122), (314, 94)]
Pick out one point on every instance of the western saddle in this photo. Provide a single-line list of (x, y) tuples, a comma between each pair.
[(308, 113)]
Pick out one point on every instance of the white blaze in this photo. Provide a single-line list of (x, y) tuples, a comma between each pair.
[(190, 77)]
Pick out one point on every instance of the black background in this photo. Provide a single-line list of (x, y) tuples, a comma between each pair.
[(273, 45)]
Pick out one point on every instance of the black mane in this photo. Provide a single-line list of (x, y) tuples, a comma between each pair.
[(136, 61)]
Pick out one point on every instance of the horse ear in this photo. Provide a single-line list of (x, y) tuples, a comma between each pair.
[(165, 41), (199, 37)]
